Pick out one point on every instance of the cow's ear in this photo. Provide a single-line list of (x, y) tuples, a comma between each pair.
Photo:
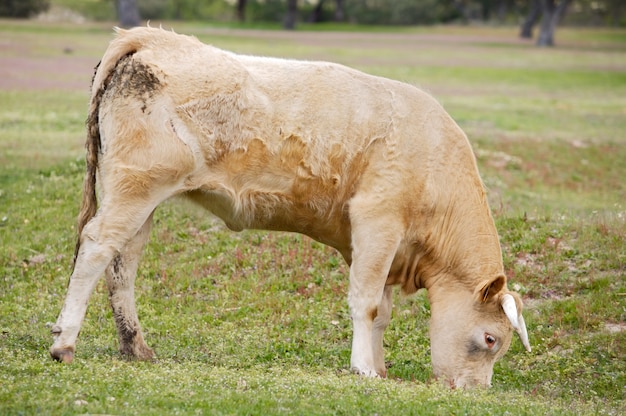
[(486, 290)]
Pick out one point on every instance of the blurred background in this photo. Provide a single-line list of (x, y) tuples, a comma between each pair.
[(257, 323), (544, 15)]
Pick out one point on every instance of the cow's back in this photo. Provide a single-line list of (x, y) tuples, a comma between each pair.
[(282, 144)]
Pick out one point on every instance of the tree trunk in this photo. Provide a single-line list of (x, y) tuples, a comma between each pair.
[(552, 14), (615, 11), (316, 14), (503, 9), (241, 10), (290, 17), (178, 10), (340, 13), (534, 13), (128, 13), (485, 11)]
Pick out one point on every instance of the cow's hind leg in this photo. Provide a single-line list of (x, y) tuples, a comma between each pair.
[(374, 242), (120, 278), (102, 239)]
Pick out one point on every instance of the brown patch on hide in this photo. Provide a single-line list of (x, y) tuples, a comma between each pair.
[(318, 177), (373, 313), (218, 120), (132, 78), (336, 160), (135, 182), (254, 159), (132, 182), (126, 330), (117, 266), (413, 265), (324, 180), (308, 181), (292, 152)]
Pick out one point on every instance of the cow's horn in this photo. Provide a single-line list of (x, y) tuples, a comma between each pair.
[(517, 321), (510, 309), (523, 334)]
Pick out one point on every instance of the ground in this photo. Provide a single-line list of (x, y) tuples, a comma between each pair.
[(64, 65)]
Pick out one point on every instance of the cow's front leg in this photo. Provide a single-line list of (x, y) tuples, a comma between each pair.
[(120, 278), (372, 258), (380, 324)]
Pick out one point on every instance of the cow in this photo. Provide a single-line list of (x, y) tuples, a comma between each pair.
[(372, 167)]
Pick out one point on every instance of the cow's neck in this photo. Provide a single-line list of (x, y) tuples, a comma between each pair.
[(461, 240), (456, 243)]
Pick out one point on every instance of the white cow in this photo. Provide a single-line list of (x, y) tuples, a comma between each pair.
[(372, 167)]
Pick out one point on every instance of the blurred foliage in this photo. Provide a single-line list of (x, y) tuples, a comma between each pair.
[(377, 12), (401, 12), (186, 9), (23, 8)]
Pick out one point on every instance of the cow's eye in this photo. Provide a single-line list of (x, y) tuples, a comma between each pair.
[(490, 340)]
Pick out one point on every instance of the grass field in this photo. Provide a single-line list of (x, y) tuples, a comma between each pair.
[(257, 323)]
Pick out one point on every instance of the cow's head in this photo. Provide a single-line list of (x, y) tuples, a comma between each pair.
[(468, 334)]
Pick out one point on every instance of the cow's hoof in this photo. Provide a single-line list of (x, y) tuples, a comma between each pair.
[(145, 353), (365, 372), (62, 355), (139, 351)]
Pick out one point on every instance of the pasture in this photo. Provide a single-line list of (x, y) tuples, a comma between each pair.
[(258, 323)]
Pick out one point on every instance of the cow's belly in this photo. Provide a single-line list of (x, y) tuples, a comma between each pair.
[(328, 224), (286, 183)]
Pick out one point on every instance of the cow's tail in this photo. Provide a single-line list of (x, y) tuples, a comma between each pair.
[(120, 47)]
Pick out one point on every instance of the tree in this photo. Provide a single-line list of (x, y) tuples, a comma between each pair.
[(534, 13), (551, 12), (317, 15), (128, 13), (615, 12), (340, 14), (23, 8), (292, 12), (241, 10)]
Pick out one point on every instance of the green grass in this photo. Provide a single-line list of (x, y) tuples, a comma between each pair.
[(254, 322)]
